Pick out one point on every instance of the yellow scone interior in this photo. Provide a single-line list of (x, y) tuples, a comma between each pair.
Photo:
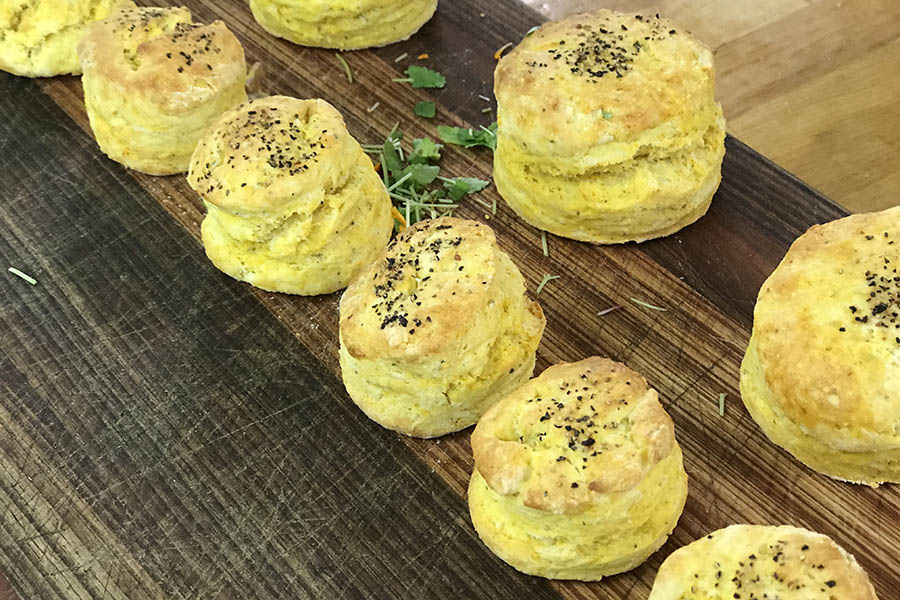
[(577, 473), (154, 81), (759, 562), (821, 375), (343, 24), (38, 38), (293, 204), (608, 128), (436, 329)]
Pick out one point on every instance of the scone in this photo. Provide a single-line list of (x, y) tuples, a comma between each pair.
[(154, 81), (758, 562), (437, 329), (608, 128), (343, 24), (822, 371), (38, 37), (577, 473), (293, 204)]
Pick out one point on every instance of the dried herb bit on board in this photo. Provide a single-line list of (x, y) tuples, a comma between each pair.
[(22, 276), (547, 279), (648, 305), (347, 72), (422, 77)]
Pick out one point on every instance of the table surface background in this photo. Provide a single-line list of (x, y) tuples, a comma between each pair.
[(811, 84), (171, 433)]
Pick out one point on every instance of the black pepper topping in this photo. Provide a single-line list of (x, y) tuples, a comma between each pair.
[(602, 51)]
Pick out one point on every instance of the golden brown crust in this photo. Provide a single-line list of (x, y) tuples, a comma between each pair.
[(756, 561), (38, 38), (422, 292), (577, 431), (161, 55), (611, 75), (827, 333), (269, 152)]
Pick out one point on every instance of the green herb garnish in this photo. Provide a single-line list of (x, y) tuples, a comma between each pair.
[(424, 150), (421, 175), (646, 305), (461, 186), (414, 183), (426, 109), (346, 66), (422, 77), (547, 279), (22, 275), (544, 244), (469, 138), (722, 397)]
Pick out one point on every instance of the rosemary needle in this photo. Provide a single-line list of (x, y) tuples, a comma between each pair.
[(22, 275), (547, 279), (647, 305), (346, 66)]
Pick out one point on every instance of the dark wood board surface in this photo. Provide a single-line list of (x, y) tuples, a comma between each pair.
[(166, 432)]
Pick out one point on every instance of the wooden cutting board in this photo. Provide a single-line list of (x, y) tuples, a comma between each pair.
[(167, 432)]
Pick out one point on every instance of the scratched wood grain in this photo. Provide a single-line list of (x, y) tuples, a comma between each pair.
[(166, 432)]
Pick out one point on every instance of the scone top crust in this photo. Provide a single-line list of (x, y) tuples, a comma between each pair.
[(573, 434), (161, 55), (421, 294), (267, 153), (38, 37), (758, 561), (598, 76), (827, 331)]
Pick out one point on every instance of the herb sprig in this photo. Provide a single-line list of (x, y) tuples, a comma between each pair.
[(413, 179), (469, 138), (422, 77)]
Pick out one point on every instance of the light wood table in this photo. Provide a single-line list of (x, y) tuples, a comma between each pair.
[(811, 84)]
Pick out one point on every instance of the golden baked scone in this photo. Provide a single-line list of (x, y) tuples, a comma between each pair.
[(343, 24), (293, 203), (154, 81), (577, 473), (759, 562), (822, 371), (38, 37), (437, 329), (608, 128)]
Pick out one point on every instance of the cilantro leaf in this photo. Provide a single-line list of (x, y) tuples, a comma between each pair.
[(424, 150), (420, 175), (422, 77), (425, 109), (391, 156), (469, 138), (460, 186)]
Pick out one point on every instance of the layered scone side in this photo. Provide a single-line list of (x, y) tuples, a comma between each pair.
[(38, 37), (577, 473), (608, 128), (821, 375), (758, 561), (437, 329), (343, 24), (154, 81), (293, 203)]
